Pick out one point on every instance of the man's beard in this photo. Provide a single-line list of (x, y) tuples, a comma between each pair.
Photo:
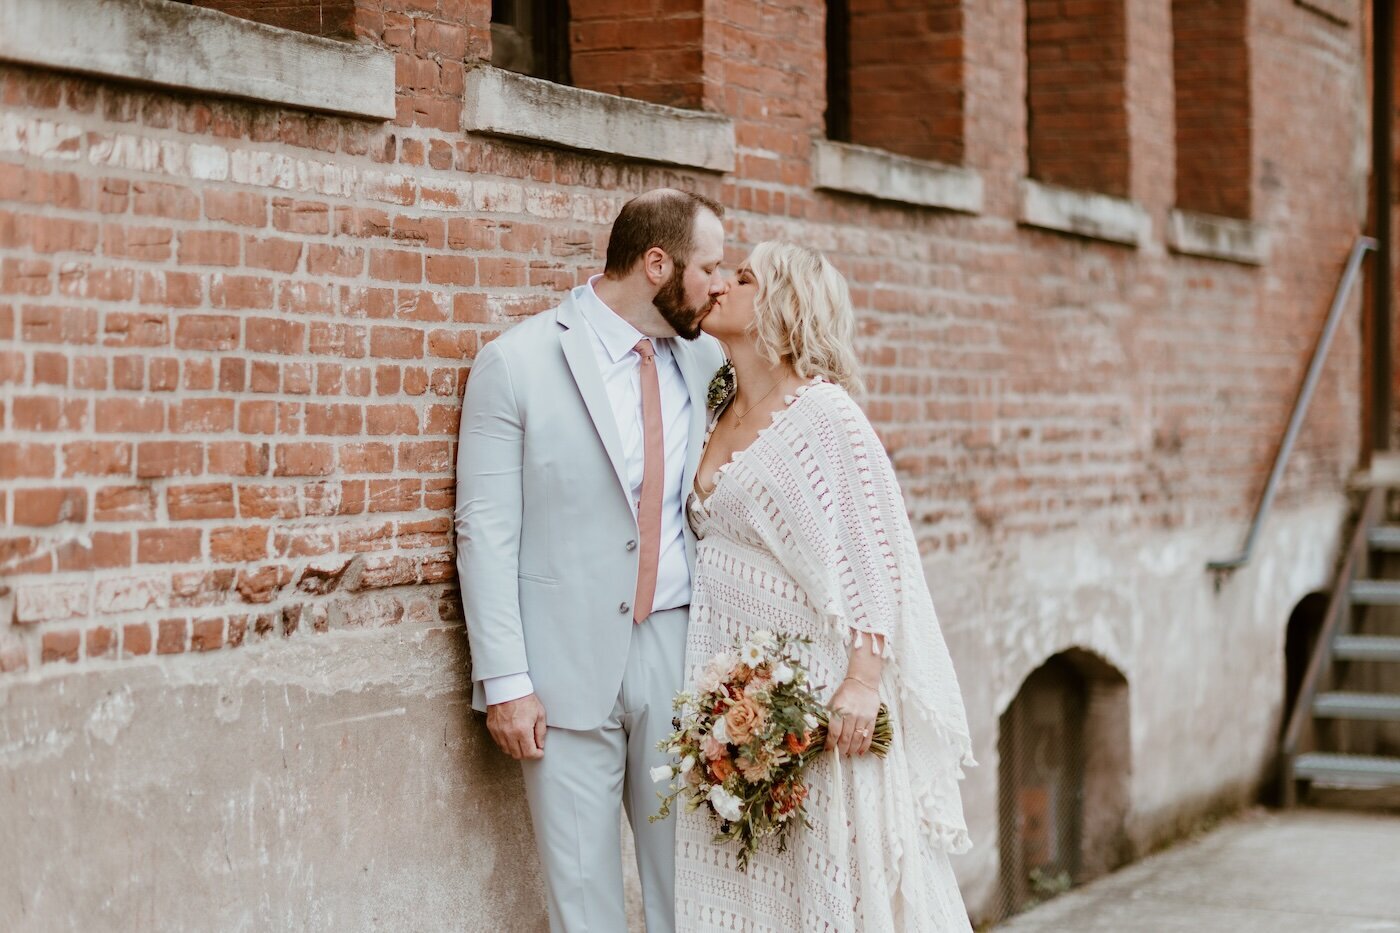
[(670, 301)]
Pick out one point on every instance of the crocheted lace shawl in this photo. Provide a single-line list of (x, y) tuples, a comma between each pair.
[(838, 523)]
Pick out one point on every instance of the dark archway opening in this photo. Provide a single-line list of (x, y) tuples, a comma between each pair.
[(1064, 749)]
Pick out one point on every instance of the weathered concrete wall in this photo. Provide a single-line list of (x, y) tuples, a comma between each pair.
[(341, 782), (336, 784), (1204, 668)]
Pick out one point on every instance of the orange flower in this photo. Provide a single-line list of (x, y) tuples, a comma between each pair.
[(720, 769), (788, 797), (797, 745), (744, 718)]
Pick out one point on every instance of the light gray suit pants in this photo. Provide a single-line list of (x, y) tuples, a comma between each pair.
[(574, 793)]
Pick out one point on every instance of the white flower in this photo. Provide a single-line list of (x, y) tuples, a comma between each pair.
[(725, 803), (782, 674), (661, 773), (687, 763), (708, 681), (762, 638), (716, 671), (720, 731), (752, 655), (811, 721)]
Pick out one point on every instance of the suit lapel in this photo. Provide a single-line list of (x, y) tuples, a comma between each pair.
[(583, 365)]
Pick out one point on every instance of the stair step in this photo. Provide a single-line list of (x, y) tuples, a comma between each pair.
[(1385, 537), (1376, 592), (1339, 705), (1384, 471), (1347, 770), (1366, 648)]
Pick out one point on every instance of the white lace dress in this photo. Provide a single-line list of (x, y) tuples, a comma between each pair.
[(806, 532)]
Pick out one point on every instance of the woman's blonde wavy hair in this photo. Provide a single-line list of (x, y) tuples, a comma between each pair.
[(802, 313)]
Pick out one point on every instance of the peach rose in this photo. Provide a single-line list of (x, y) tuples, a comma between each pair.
[(755, 771), (711, 748), (744, 719)]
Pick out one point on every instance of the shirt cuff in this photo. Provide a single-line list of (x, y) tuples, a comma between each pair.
[(507, 687)]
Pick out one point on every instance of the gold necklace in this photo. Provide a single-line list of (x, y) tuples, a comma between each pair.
[(739, 418)]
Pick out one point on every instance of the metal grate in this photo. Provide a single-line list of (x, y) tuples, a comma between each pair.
[(1041, 787)]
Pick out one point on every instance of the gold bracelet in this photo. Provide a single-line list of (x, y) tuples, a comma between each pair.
[(862, 683)]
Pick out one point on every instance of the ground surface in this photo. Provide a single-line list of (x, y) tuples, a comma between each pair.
[(1302, 871)]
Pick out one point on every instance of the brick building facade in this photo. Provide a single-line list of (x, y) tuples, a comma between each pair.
[(244, 270)]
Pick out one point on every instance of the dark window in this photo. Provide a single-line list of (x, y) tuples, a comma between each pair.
[(333, 19), (531, 37), (838, 71)]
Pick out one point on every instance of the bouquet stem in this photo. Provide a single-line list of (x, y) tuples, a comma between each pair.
[(879, 744)]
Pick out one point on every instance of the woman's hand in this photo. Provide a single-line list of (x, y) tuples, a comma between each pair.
[(854, 707)]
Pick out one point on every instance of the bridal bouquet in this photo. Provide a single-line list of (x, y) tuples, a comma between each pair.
[(744, 740)]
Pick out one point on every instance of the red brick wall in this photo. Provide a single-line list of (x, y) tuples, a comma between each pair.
[(331, 18), (233, 337), (907, 77), (648, 51), (1214, 157), (1075, 79)]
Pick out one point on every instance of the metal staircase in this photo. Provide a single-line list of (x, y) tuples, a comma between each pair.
[(1361, 602), (1320, 734)]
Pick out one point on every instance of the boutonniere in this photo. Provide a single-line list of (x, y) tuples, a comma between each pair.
[(722, 387)]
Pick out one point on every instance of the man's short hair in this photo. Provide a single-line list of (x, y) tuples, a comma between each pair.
[(664, 218)]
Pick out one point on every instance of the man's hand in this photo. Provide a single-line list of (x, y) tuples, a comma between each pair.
[(518, 726)]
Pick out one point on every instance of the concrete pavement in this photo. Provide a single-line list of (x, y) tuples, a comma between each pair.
[(1303, 871)]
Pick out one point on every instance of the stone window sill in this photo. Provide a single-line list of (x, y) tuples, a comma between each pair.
[(1341, 12), (1217, 238), (179, 46), (1083, 213), (516, 106), (884, 175)]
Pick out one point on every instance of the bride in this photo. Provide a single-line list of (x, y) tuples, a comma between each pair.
[(803, 530)]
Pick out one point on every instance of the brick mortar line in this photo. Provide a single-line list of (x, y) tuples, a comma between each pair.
[(128, 219), (89, 580), (360, 165), (416, 171), (39, 670)]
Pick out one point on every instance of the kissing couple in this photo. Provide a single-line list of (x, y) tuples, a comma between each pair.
[(668, 462)]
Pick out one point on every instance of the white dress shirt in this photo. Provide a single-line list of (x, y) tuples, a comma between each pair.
[(613, 343)]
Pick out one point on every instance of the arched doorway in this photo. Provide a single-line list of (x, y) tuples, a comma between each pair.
[(1304, 625), (1064, 747)]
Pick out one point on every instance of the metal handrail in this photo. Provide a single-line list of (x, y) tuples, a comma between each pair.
[(1300, 407)]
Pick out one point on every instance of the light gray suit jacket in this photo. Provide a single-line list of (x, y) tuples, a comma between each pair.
[(546, 535)]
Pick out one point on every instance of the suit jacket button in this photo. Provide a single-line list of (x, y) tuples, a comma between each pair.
[(624, 609), (632, 545)]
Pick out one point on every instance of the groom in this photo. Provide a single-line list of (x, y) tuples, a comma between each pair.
[(581, 431)]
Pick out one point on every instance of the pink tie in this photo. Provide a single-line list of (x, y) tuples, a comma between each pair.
[(653, 473)]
